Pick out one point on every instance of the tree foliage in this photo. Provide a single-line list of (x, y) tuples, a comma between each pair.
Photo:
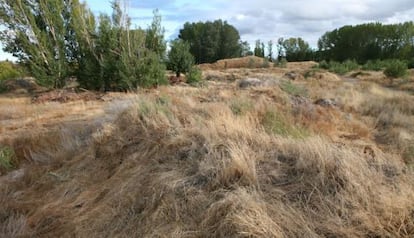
[(8, 70), (211, 41), (259, 49), (295, 49), (58, 39), (180, 60), (368, 42)]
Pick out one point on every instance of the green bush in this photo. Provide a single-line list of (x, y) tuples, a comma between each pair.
[(194, 76), (7, 158), (339, 68), (375, 65), (396, 69), (324, 64), (8, 71)]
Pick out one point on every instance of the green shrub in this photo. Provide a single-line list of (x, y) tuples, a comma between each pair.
[(339, 68), (410, 63), (375, 65), (7, 158), (293, 89), (324, 64), (396, 69), (194, 76), (8, 71)]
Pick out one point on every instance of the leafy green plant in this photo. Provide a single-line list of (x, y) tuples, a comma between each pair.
[(339, 68), (375, 65), (7, 158), (8, 71), (293, 89), (194, 76), (396, 69)]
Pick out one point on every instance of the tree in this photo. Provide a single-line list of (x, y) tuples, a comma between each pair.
[(154, 36), (180, 58), (368, 42), (296, 49), (36, 34), (57, 39), (211, 41), (259, 49), (245, 49), (270, 50)]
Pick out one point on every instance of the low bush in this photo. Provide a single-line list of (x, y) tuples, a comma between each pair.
[(396, 69), (8, 71), (7, 158), (194, 76), (339, 68)]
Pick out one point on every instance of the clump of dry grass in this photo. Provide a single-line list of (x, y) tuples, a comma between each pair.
[(186, 162)]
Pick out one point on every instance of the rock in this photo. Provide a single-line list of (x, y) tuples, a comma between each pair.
[(250, 82), (326, 102), (293, 76)]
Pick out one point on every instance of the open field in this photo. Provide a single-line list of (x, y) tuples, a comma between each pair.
[(254, 152)]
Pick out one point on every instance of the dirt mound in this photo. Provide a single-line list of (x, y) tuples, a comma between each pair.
[(235, 63), (63, 96), (23, 85)]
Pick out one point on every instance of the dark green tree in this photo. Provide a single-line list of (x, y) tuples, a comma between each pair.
[(180, 60), (369, 41), (36, 33), (211, 41), (57, 39), (296, 49), (154, 36), (245, 49)]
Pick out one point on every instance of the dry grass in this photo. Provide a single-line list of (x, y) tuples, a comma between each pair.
[(215, 161)]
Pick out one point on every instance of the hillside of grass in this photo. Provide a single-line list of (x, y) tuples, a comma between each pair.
[(263, 152)]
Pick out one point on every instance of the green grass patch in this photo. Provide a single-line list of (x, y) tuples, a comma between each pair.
[(293, 89), (240, 107), (275, 123), (7, 158)]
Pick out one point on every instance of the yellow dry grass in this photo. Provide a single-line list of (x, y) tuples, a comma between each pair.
[(215, 161)]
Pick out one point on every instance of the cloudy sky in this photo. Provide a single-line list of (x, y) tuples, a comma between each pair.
[(266, 19)]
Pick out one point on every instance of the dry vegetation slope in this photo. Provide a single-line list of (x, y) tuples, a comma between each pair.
[(216, 161)]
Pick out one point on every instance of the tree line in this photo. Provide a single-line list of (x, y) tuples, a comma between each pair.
[(59, 39)]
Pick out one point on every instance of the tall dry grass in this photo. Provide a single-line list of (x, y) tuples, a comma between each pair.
[(186, 162)]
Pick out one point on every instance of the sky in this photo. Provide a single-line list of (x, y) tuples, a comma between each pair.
[(264, 19)]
